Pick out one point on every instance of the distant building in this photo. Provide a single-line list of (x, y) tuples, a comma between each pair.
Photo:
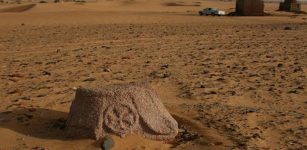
[(290, 5), (250, 7)]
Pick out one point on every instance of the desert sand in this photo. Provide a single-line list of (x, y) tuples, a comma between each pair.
[(230, 82)]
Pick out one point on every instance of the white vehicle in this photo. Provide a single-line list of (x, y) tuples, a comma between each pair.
[(211, 11)]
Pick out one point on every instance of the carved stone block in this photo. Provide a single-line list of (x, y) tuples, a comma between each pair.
[(120, 109)]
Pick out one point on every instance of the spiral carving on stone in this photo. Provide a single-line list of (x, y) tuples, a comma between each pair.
[(121, 118)]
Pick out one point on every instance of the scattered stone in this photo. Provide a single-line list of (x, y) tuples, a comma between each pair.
[(38, 148), (164, 66), (106, 69), (298, 69), (280, 65), (15, 75), (120, 109), (90, 79), (210, 92), (107, 143), (156, 74), (206, 72), (287, 28), (244, 68), (185, 135), (220, 79), (25, 98), (126, 57), (106, 47), (46, 73), (231, 93), (293, 91), (41, 95)]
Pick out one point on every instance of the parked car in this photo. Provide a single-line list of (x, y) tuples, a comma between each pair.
[(211, 11)]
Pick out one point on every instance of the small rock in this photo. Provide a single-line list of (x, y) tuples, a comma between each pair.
[(185, 135), (256, 135), (244, 68), (90, 79), (15, 75), (298, 69), (38, 148), (106, 69), (107, 143), (287, 28), (106, 47), (46, 73), (212, 92), (25, 98), (220, 79), (41, 95), (166, 75), (206, 72), (126, 57), (280, 65), (156, 74), (231, 93), (293, 91), (164, 66)]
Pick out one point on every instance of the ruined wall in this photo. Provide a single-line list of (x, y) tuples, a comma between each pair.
[(290, 5), (250, 7)]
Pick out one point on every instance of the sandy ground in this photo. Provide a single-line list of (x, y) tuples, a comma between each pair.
[(230, 82)]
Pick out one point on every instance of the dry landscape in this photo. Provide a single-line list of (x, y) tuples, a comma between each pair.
[(230, 82)]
